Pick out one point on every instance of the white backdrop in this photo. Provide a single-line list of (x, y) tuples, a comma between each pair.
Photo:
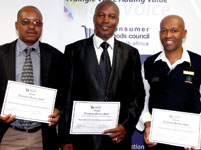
[(68, 21), (141, 17)]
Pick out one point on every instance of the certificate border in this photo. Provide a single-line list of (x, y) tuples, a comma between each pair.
[(171, 143), (35, 86), (97, 102)]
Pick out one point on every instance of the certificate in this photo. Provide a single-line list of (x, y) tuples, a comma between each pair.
[(94, 117), (29, 102), (175, 128)]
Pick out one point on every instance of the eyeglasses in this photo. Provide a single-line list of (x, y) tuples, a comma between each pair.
[(36, 23)]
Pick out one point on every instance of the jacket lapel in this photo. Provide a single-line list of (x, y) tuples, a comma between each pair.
[(95, 66), (45, 60), (92, 63), (8, 58), (115, 66)]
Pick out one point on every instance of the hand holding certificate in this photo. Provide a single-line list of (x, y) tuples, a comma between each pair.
[(94, 117), (175, 128), (29, 102)]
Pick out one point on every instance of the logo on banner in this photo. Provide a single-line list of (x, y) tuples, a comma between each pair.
[(88, 31), (68, 10), (75, 6)]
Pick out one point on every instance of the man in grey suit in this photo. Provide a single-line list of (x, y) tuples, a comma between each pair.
[(46, 63), (123, 84)]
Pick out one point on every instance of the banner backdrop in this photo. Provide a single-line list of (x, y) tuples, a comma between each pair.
[(66, 21)]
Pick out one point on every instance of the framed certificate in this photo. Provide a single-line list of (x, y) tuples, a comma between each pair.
[(29, 102), (175, 128), (94, 117)]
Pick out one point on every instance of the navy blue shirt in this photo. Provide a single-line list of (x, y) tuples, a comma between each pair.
[(176, 89)]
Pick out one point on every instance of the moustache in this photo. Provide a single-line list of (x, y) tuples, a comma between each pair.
[(31, 31)]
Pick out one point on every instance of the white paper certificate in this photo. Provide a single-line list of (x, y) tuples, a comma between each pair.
[(94, 117), (175, 128), (28, 102)]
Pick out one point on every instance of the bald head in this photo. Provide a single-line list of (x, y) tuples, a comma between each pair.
[(107, 2), (25, 8), (173, 17)]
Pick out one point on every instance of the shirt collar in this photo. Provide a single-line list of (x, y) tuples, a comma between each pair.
[(184, 58), (98, 41), (21, 46)]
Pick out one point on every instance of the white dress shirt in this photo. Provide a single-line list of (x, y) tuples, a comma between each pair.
[(98, 49)]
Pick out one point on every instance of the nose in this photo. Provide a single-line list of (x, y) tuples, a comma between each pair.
[(31, 25), (106, 19), (168, 34)]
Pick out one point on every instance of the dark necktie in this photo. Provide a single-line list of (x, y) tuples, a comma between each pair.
[(105, 63), (27, 77)]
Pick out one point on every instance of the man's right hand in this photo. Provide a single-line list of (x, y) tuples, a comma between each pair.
[(146, 135), (7, 119)]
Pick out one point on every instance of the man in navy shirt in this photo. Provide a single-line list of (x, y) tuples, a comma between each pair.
[(172, 78)]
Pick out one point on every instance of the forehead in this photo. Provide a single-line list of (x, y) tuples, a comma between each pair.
[(107, 7), (171, 22), (30, 13)]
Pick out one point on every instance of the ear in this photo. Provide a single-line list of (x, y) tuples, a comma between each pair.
[(184, 34), (16, 25), (94, 18)]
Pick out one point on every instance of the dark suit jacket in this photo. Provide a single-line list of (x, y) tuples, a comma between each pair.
[(50, 70), (125, 85)]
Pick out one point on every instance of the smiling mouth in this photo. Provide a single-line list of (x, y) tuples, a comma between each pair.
[(105, 28), (169, 42)]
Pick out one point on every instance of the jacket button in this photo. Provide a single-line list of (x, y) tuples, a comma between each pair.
[(106, 99)]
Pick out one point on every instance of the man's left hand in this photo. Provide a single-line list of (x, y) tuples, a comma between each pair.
[(54, 117), (116, 134)]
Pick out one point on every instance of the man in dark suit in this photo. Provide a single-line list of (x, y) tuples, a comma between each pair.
[(46, 61), (124, 83)]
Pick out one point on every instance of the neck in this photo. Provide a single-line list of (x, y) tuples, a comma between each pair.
[(173, 56)]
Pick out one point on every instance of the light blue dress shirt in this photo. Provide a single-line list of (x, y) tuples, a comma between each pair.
[(20, 59)]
